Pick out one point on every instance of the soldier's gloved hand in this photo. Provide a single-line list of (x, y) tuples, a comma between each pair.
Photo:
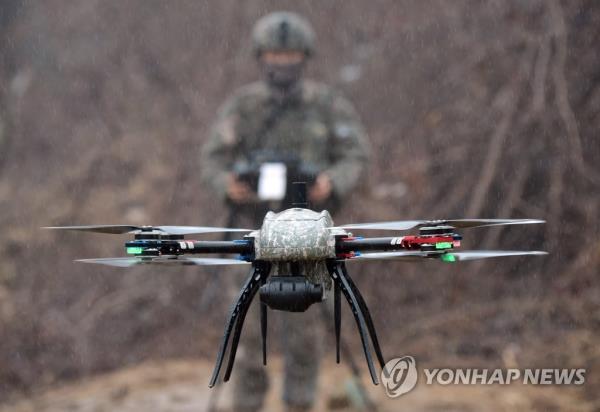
[(238, 192), (321, 190)]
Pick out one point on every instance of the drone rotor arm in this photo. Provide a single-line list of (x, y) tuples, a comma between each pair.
[(241, 246), (162, 260)]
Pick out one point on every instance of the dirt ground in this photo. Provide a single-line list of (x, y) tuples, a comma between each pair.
[(181, 386)]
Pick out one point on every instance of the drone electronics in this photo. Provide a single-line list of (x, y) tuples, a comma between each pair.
[(297, 258)]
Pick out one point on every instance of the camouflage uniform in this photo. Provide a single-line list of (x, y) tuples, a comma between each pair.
[(319, 125), (321, 128)]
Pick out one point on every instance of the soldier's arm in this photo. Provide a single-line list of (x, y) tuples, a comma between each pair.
[(219, 152), (349, 147)]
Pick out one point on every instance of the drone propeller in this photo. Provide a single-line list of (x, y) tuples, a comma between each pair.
[(162, 260), (407, 256), (167, 230), (484, 254), (459, 223), (448, 256)]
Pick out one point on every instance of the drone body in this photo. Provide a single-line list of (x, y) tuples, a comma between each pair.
[(296, 235), (297, 258)]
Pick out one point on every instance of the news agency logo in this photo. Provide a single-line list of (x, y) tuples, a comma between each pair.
[(399, 376)]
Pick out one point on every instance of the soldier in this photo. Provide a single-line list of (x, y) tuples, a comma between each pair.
[(283, 113)]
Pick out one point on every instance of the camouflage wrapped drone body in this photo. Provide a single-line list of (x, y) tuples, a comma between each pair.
[(298, 235), (295, 234)]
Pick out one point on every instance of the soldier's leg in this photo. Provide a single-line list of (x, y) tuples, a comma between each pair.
[(249, 376), (303, 335)]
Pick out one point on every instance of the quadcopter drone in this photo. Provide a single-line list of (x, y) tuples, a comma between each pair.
[(297, 257)]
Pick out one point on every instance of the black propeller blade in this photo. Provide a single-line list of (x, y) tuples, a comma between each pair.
[(410, 256), (484, 254), (459, 223), (448, 256), (167, 230)]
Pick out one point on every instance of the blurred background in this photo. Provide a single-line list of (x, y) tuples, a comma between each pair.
[(473, 109)]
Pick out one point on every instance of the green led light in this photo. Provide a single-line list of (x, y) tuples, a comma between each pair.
[(448, 257), (134, 250), (443, 245)]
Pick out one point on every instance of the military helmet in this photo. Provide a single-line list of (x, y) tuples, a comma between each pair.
[(283, 31)]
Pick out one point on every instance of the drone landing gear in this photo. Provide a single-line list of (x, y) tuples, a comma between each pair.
[(343, 284), (263, 325), (258, 275)]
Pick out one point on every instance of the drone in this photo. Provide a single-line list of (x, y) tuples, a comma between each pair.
[(297, 258)]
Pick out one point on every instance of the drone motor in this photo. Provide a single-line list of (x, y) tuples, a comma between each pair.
[(436, 230)]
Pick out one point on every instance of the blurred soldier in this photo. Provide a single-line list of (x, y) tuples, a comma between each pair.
[(283, 114)]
